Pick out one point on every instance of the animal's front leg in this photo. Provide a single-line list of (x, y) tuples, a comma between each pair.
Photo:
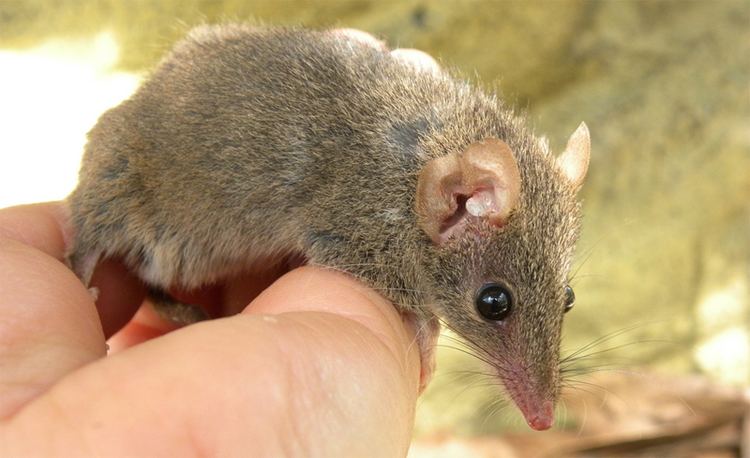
[(427, 329)]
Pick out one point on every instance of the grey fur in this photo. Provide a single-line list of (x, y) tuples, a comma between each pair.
[(251, 144)]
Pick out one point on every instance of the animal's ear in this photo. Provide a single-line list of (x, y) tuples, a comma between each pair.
[(482, 182), (574, 161)]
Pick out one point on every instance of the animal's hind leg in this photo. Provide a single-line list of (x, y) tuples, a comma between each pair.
[(175, 311), (82, 263)]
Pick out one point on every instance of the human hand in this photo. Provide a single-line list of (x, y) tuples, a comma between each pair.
[(317, 364)]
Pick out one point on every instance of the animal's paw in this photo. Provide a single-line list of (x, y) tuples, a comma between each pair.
[(427, 333)]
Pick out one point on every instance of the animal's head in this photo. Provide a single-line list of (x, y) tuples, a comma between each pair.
[(503, 234)]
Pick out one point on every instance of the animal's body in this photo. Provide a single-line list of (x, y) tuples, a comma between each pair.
[(248, 146)]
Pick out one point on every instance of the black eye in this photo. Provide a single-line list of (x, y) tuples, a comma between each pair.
[(493, 302), (570, 298)]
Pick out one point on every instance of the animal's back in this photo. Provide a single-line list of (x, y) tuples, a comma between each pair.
[(242, 143)]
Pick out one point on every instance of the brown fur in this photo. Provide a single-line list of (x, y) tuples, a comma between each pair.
[(252, 144)]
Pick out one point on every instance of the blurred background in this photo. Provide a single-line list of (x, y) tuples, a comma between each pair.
[(663, 268)]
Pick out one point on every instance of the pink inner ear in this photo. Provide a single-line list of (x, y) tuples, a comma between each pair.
[(482, 203), (479, 204), (483, 182), (455, 222)]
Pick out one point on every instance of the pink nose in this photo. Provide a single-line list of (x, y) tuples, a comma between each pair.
[(543, 418)]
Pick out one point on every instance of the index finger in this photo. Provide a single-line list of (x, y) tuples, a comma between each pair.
[(43, 226), (316, 364), (46, 227)]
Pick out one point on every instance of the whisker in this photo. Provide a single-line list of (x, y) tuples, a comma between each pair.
[(493, 409), (605, 338), (585, 418), (468, 352), (581, 364), (473, 385), (564, 407), (583, 389), (599, 395), (587, 255), (461, 376)]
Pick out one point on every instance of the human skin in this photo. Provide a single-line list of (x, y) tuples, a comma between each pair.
[(316, 364)]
